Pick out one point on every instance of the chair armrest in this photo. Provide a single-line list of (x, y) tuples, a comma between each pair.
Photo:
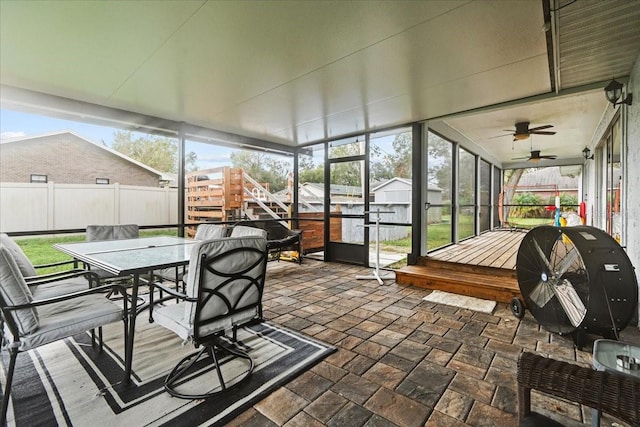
[(66, 297), (69, 274), (171, 292), (54, 264)]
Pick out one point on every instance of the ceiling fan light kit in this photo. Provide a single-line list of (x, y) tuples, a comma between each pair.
[(535, 156), (522, 131)]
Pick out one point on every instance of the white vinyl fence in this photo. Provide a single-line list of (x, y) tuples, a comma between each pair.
[(51, 206)]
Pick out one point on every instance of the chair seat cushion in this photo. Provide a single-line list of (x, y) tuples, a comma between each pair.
[(244, 231), (172, 317), (26, 268), (68, 318), (15, 291)]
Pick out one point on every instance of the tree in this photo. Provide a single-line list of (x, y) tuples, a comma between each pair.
[(394, 164), (308, 171), (439, 171), (509, 190), (263, 168), (157, 152)]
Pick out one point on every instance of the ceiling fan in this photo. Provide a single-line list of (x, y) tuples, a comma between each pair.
[(536, 156), (522, 131)]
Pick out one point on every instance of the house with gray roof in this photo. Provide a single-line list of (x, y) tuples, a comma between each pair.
[(67, 158)]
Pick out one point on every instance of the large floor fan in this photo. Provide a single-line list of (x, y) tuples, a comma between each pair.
[(576, 280)]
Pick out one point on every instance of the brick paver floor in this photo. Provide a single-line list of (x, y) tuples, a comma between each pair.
[(401, 361)]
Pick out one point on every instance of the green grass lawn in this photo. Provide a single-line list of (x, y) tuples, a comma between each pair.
[(40, 250), (439, 234)]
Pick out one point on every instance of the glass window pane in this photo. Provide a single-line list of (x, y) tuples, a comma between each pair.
[(497, 188), (485, 195), (311, 198), (347, 147), (395, 244), (438, 227), (466, 194), (439, 191), (466, 178)]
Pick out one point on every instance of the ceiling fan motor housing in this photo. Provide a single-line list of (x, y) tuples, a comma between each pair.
[(577, 278)]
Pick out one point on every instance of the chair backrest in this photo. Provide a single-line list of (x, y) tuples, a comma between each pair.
[(210, 232), (112, 232), (14, 291), (25, 266), (615, 394), (245, 231), (226, 276)]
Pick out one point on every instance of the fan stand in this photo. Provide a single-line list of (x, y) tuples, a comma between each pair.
[(376, 273)]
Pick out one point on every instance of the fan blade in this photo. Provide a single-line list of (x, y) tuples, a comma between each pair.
[(542, 293), (500, 136), (542, 255), (566, 262), (521, 158), (570, 301), (547, 157), (540, 128), (543, 133)]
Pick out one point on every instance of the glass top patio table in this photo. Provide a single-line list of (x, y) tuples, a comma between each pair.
[(132, 257)]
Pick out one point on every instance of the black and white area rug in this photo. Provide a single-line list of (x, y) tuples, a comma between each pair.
[(70, 383)]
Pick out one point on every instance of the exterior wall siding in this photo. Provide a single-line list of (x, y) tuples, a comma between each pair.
[(632, 178), (67, 159)]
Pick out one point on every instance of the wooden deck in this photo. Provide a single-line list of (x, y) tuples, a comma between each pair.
[(498, 249), (482, 267)]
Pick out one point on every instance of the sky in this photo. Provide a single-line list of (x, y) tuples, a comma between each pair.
[(17, 124)]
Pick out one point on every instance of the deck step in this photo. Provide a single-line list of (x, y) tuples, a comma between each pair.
[(475, 281)]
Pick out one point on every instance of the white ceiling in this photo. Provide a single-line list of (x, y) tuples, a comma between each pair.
[(294, 72)]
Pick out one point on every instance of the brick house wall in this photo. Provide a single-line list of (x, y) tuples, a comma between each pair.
[(68, 159)]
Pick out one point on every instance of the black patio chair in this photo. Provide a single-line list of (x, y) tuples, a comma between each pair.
[(615, 394), (50, 314), (279, 238), (223, 292)]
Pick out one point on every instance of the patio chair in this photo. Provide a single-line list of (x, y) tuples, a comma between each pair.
[(223, 292), (203, 232), (34, 320), (279, 237), (44, 285), (615, 394), (28, 270), (110, 232)]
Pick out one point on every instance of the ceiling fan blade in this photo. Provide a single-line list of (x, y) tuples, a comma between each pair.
[(537, 128), (547, 157), (521, 158), (570, 301), (545, 132), (542, 294), (500, 136)]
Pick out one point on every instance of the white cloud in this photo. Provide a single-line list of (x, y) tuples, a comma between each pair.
[(8, 135)]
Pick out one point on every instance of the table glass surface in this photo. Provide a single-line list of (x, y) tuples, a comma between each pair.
[(132, 255), (606, 352), (86, 248)]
